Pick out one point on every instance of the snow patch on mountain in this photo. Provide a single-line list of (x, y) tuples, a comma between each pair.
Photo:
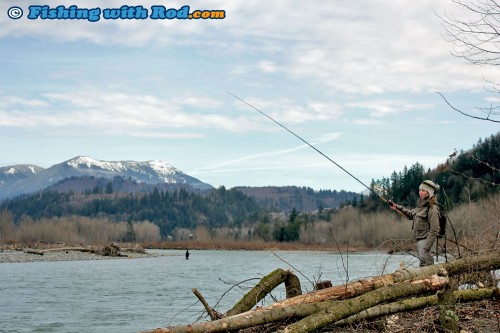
[(85, 162), (149, 171), (10, 171)]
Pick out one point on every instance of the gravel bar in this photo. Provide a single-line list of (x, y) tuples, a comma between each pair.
[(13, 256)]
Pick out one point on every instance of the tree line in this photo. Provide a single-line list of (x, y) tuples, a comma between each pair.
[(168, 210), (465, 176), (229, 213)]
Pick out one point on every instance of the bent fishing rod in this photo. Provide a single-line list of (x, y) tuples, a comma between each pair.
[(316, 149)]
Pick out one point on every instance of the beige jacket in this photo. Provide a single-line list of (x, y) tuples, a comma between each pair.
[(425, 221)]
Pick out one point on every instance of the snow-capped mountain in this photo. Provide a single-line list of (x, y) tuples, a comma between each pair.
[(23, 179), (150, 172), (15, 173)]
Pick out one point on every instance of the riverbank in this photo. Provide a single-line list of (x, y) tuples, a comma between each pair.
[(260, 246), (44, 252), (13, 256)]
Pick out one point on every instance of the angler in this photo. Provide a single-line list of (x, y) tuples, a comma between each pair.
[(426, 220)]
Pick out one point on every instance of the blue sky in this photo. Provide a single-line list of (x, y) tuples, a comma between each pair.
[(358, 80)]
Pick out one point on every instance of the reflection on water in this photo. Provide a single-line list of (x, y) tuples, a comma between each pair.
[(131, 295)]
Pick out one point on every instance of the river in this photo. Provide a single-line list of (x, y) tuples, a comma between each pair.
[(132, 295)]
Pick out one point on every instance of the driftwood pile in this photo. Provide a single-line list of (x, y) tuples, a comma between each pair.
[(403, 290), (111, 250)]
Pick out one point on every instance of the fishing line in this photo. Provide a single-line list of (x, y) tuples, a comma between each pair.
[(310, 145)]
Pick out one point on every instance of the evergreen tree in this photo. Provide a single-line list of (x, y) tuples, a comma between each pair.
[(130, 236)]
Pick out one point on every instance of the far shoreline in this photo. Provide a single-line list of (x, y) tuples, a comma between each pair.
[(196, 245), (45, 252), (259, 246)]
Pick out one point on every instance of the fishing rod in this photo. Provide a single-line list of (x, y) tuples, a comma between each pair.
[(317, 150)]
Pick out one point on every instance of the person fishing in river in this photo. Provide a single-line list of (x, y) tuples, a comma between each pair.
[(425, 220)]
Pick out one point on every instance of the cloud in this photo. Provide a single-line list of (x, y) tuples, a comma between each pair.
[(267, 66), (294, 170), (349, 47), (262, 158), (90, 112), (285, 110), (380, 108), (368, 122), (113, 112), (8, 101)]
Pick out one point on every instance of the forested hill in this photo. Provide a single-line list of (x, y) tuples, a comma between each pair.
[(465, 176), (305, 199), (169, 209)]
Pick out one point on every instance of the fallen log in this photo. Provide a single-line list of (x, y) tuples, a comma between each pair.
[(106, 250), (62, 249), (58, 249), (351, 289), (214, 315), (411, 304), (66, 249), (38, 253), (456, 267), (345, 308), (264, 287)]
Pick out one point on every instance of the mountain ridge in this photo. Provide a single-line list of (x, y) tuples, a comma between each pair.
[(28, 178)]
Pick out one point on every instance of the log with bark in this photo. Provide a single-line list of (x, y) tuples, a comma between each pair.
[(111, 250), (456, 267), (58, 249), (321, 308), (264, 287), (346, 308), (416, 303)]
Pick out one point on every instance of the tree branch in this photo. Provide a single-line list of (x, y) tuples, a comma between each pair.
[(466, 114)]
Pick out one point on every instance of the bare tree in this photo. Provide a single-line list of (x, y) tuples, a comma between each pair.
[(475, 35)]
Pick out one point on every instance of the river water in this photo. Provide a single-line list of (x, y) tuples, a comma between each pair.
[(132, 295)]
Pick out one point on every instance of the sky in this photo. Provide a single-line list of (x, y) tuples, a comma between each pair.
[(358, 80)]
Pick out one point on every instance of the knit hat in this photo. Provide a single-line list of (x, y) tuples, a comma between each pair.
[(429, 186)]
